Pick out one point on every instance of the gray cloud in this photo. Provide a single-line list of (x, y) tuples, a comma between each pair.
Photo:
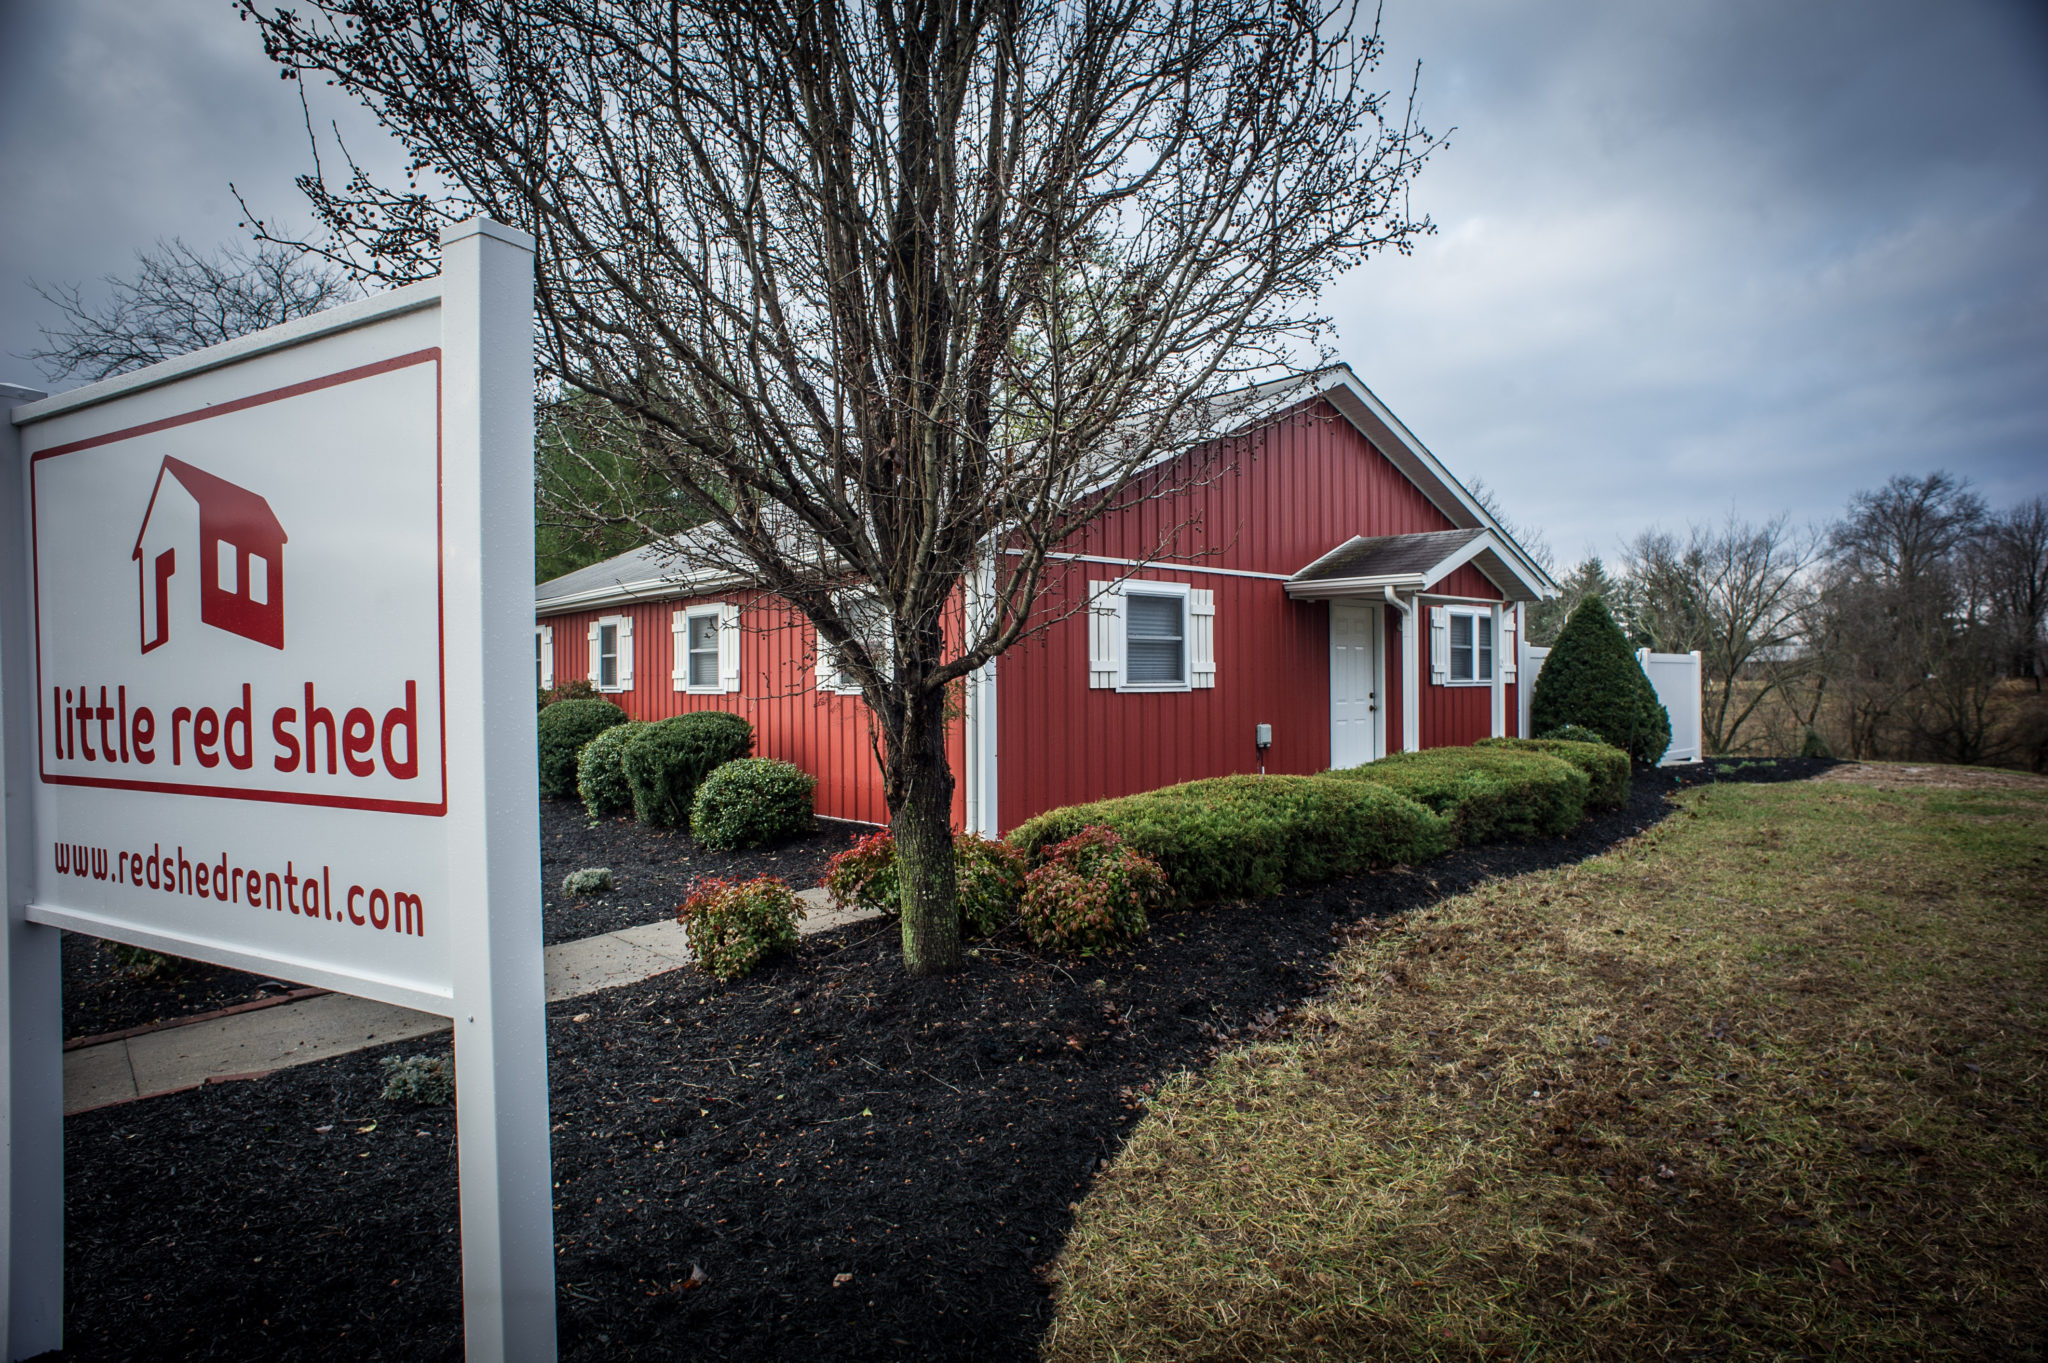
[(1692, 257)]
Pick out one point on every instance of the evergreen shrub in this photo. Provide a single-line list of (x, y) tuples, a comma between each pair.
[(565, 727), (428, 1080), (1488, 794), (752, 800), (1244, 837), (601, 772), (1092, 893), (1591, 678), (666, 761), (732, 926), (1606, 767), (1575, 733)]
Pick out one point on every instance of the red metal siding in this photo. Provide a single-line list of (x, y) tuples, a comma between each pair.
[(826, 734), (1062, 741), (1304, 487)]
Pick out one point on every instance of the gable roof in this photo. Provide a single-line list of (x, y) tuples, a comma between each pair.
[(229, 508), (1363, 565), (1359, 405)]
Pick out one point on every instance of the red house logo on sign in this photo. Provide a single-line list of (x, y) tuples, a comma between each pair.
[(240, 555)]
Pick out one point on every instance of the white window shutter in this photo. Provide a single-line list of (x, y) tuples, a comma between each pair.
[(729, 646), (827, 666), (593, 652), (547, 657), (1440, 644), (1201, 636), (1504, 648), (679, 641), (626, 652), (1105, 634)]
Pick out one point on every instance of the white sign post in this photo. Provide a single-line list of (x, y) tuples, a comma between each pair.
[(266, 621)]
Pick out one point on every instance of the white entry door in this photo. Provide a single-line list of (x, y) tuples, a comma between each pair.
[(1354, 684)]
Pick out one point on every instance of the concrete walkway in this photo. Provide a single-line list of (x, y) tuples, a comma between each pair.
[(247, 1045)]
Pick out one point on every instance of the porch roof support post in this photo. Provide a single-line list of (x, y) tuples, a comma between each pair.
[(1411, 690), (1500, 687)]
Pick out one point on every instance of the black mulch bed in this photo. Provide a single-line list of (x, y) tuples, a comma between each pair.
[(651, 871), (652, 867), (825, 1117)]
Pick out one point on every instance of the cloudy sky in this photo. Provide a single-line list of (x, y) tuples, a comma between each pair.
[(1692, 258)]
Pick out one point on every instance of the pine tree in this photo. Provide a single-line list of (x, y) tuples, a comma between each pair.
[(1592, 679)]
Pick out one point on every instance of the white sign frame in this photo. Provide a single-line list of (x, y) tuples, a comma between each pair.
[(483, 825)]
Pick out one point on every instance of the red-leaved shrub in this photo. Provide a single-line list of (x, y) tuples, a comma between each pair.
[(732, 926), (1092, 893)]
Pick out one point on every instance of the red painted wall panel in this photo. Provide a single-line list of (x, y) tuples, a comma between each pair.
[(1062, 741), (826, 734), (1273, 504)]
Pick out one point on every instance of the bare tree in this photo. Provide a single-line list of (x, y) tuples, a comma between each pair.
[(2017, 567), (903, 293), (181, 300), (1738, 594)]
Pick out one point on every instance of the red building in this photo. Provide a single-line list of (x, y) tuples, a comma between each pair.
[(233, 541), (1334, 595)]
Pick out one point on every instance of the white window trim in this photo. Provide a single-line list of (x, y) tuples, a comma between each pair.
[(625, 653), (1138, 587), (727, 614), (1476, 614), (544, 636), (827, 665)]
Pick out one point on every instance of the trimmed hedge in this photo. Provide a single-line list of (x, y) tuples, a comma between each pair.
[(665, 762), (601, 772), (1606, 766), (565, 727), (1245, 837), (752, 800), (1488, 794), (1591, 678)]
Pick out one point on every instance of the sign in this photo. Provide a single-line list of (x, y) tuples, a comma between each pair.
[(266, 700)]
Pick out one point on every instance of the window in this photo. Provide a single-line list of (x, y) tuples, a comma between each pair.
[(1151, 636), (701, 641), (1155, 638), (1465, 640), (869, 620), (611, 653)]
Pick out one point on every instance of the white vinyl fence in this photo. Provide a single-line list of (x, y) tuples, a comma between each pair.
[(1676, 677)]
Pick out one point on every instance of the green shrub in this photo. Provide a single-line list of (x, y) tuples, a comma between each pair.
[(1092, 893), (589, 880), (428, 1080), (580, 689), (732, 926), (752, 800), (1591, 678), (665, 762), (565, 727), (988, 879), (1488, 794), (1606, 767), (1576, 733), (601, 772), (1243, 837), (1813, 745)]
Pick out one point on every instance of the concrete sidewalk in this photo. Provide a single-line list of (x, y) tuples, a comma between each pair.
[(248, 1044)]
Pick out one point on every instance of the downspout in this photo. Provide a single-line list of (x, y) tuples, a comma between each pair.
[(1411, 703)]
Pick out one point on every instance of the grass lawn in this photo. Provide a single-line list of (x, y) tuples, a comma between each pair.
[(1765, 1081)]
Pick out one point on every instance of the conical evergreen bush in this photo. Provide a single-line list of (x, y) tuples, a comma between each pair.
[(1591, 678)]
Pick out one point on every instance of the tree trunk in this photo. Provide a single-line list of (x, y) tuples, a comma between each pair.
[(920, 789)]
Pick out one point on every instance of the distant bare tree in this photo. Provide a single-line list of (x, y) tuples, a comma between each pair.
[(2017, 569), (180, 300), (903, 293)]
